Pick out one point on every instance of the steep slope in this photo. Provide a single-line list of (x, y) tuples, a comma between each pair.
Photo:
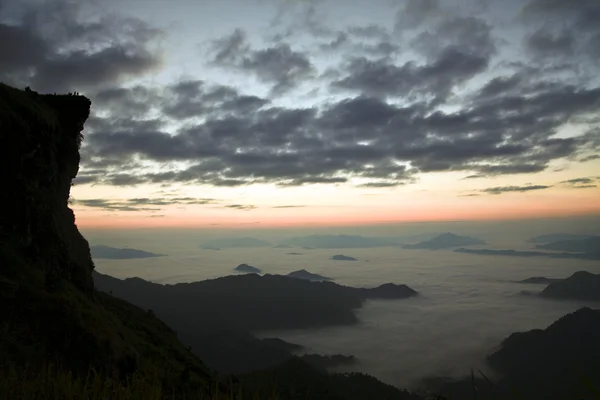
[(49, 311), (559, 362)]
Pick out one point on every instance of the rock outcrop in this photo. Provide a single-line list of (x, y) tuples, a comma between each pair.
[(40, 136)]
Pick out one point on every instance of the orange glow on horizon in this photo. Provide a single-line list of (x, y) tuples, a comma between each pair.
[(485, 207)]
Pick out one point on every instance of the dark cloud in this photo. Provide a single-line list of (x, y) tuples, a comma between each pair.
[(590, 158), (416, 13), (140, 204), (278, 65), (550, 44), (433, 80), (53, 47), (506, 127), (565, 29), (368, 40), (579, 180), (582, 183), (469, 35), (520, 189), (245, 207)]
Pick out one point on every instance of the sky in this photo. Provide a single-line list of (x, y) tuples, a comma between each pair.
[(241, 113)]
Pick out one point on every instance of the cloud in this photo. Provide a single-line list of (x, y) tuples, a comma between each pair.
[(140, 204), (565, 29), (433, 80), (550, 44), (416, 13), (590, 158), (290, 206), (245, 207), (508, 189), (469, 35), (507, 126), (53, 47), (278, 65), (581, 183)]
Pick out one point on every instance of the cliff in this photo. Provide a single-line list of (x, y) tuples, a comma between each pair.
[(51, 318), (39, 153)]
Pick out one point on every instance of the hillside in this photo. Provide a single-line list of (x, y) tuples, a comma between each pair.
[(251, 302), (581, 285), (558, 362), (49, 311)]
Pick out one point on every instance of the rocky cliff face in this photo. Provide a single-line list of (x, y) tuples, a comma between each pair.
[(40, 136)]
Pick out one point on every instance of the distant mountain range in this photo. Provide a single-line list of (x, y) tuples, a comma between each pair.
[(589, 245), (338, 242), (557, 237), (234, 242), (517, 253), (445, 240), (113, 253)]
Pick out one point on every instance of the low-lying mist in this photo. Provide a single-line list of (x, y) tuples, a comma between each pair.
[(467, 304)]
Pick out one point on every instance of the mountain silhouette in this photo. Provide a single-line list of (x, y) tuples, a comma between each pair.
[(113, 253), (589, 245), (341, 257), (582, 285), (445, 240), (245, 268), (309, 276), (557, 237), (236, 242)]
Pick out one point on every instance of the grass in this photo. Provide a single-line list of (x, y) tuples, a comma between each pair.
[(55, 383)]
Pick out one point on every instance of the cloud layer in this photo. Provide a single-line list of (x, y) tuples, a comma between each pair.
[(435, 91)]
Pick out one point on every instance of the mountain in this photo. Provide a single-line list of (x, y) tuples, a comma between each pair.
[(517, 253), (245, 268), (223, 243), (113, 253), (309, 276), (295, 379), (338, 242), (557, 237), (445, 240), (251, 302), (556, 363), (590, 245), (559, 362), (581, 285), (52, 321), (539, 280), (326, 362), (341, 257)]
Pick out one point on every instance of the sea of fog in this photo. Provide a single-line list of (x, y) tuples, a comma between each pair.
[(467, 303)]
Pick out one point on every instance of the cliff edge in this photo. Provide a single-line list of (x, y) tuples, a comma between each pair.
[(40, 136), (51, 317)]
